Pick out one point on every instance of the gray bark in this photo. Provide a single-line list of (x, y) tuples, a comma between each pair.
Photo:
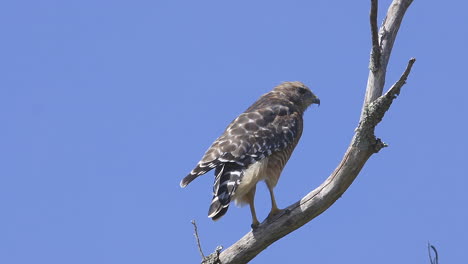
[(382, 48)]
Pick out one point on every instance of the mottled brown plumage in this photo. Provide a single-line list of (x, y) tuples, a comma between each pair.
[(255, 147)]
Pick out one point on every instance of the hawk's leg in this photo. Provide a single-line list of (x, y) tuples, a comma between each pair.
[(250, 197), (274, 208)]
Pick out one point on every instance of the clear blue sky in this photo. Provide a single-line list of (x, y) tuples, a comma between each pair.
[(106, 105)]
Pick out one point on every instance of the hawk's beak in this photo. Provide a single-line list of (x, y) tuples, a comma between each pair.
[(316, 101)]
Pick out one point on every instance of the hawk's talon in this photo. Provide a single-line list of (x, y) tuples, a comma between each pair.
[(254, 225), (274, 212)]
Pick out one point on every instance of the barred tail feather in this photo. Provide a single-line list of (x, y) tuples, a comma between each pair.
[(226, 182), (189, 178), (217, 209), (200, 169)]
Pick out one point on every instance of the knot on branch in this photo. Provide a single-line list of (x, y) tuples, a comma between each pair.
[(379, 144), (213, 258)]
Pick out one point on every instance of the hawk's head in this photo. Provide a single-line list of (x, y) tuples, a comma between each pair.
[(298, 93)]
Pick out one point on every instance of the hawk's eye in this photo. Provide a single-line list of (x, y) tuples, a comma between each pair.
[(302, 90)]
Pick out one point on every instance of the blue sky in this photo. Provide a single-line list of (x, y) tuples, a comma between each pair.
[(106, 105)]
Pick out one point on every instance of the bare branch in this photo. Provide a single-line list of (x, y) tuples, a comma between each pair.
[(375, 112), (195, 233), (362, 146), (213, 258), (430, 248), (387, 35), (375, 54), (395, 89)]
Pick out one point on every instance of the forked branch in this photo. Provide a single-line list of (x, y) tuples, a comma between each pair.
[(387, 35)]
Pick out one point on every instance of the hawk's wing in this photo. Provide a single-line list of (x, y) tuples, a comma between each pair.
[(254, 135)]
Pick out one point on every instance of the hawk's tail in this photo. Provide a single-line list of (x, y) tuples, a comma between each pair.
[(226, 182), (200, 169)]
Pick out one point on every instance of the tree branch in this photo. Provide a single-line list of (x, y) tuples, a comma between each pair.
[(362, 146), (434, 260), (375, 54), (387, 35), (195, 233)]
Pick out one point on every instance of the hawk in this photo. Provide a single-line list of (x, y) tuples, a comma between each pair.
[(255, 147)]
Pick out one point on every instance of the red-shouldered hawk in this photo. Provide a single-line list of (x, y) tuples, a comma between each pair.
[(255, 147)]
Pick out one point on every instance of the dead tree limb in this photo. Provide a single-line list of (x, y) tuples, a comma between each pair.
[(387, 35), (362, 146), (375, 55)]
